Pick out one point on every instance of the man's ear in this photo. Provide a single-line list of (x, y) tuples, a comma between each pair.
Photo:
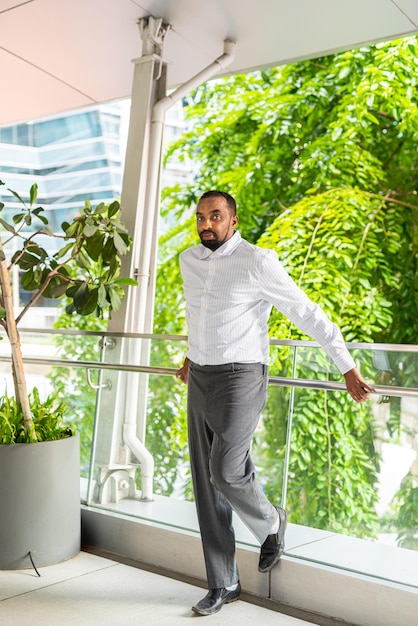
[(235, 220)]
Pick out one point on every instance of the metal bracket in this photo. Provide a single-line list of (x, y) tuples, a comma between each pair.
[(107, 342), (107, 385), (153, 32), (115, 484)]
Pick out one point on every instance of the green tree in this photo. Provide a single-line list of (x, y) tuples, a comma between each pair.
[(321, 157), (343, 123)]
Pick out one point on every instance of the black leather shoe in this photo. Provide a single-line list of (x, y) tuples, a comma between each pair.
[(215, 599), (273, 547)]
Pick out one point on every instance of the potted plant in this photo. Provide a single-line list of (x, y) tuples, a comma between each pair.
[(39, 451)]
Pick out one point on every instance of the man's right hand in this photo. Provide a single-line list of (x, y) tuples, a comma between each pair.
[(183, 372)]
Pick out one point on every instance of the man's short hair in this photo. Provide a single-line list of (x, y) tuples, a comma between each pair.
[(214, 193)]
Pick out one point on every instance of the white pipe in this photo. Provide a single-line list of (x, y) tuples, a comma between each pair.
[(151, 194), (143, 456), (221, 62), (152, 187)]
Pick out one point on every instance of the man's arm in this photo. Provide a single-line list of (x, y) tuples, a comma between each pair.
[(356, 386), (280, 289)]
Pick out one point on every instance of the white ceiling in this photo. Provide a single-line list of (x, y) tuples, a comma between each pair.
[(57, 55)]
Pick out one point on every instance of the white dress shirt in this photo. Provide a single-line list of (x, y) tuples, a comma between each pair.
[(229, 295)]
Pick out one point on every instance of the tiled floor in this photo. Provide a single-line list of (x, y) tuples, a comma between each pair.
[(89, 590)]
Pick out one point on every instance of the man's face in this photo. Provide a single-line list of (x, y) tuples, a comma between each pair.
[(215, 222)]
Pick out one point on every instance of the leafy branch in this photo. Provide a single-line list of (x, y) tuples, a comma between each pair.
[(85, 269)]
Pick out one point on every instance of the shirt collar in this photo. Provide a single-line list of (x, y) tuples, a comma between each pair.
[(226, 248)]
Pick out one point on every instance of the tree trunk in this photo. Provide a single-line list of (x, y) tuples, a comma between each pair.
[(19, 380)]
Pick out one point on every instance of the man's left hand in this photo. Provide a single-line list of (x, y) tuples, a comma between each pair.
[(356, 386)]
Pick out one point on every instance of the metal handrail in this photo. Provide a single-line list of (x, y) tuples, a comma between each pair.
[(279, 381), (326, 385)]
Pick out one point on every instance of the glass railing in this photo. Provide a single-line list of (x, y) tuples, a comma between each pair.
[(336, 465)]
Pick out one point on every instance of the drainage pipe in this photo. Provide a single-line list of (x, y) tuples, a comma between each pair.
[(144, 457), (152, 189)]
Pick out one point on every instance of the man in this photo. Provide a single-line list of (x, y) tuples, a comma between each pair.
[(230, 286)]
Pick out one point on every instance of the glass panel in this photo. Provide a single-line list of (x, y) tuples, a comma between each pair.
[(7, 134), (166, 437), (353, 468), (69, 383), (393, 367), (71, 128), (396, 441), (24, 134), (269, 444), (332, 464)]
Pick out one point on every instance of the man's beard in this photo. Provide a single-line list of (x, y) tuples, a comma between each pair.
[(212, 244)]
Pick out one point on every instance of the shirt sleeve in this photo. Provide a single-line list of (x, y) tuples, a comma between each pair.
[(278, 288)]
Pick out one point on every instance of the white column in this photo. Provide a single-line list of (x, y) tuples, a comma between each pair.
[(119, 435)]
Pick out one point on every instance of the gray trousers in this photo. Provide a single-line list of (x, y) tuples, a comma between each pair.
[(224, 406)]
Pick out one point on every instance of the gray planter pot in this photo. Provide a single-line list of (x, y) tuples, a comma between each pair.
[(40, 503)]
